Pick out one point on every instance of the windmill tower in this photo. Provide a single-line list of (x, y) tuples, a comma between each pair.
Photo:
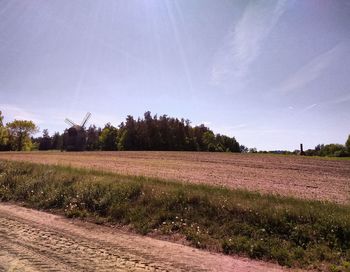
[(75, 136)]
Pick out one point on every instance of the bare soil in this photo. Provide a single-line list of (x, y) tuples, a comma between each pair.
[(303, 177), (36, 241)]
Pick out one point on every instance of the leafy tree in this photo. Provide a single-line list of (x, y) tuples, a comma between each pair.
[(243, 149), (347, 144), (155, 138), (199, 131), (4, 136), (336, 150), (164, 130), (108, 138), (1, 119), (92, 142), (45, 141), (121, 139), (131, 136), (20, 132), (57, 141), (210, 141), (227, 144)]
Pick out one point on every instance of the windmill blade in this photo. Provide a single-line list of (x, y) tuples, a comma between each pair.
[(86, 118), (70, 123)]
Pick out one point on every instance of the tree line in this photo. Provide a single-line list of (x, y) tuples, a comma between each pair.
[(321, 150), (147, 133), (330, 150)]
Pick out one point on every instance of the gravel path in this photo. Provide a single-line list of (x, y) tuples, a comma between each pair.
[(36, 241)]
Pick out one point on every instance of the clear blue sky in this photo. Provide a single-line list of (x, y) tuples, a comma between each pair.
[(271, 73)]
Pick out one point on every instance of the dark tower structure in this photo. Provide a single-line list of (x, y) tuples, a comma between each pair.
[(75, 136), (302, 150)]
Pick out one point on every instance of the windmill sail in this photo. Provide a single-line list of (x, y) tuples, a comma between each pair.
[(86, 118), (70, 123)]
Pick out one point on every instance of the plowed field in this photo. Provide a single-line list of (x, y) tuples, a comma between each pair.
[(304, 177)]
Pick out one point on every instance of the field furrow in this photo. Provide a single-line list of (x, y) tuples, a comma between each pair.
[(303, 177)]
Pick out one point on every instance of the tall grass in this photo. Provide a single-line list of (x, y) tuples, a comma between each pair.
[(292, 232)]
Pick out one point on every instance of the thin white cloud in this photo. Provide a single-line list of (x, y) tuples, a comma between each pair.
[(239, 126), (235, 131), (309, 107), (312, 70), (11, 112), (339, 100), (242, 44)]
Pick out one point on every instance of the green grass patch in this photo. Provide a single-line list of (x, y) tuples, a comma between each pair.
[(292, 232)]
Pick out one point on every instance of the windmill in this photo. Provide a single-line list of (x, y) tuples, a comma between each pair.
[(75, 136)]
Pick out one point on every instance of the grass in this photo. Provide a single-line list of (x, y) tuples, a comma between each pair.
[(293, 232)]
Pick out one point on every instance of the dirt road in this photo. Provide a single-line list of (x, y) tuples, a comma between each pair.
[(311, 178), (37, 241)]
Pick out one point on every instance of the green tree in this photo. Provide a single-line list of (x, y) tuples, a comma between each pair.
[(132, 135), (57, 141), (122, 139), (227, 144), (20, 132), (108, 138), (1, 119), (4, 136), (243, 149), (253, 150), (93, 134), (45, 141), (210, 141), (333, 150), (347, 144), (199, 132)]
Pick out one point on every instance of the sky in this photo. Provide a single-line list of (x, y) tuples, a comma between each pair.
[(273, 74)]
